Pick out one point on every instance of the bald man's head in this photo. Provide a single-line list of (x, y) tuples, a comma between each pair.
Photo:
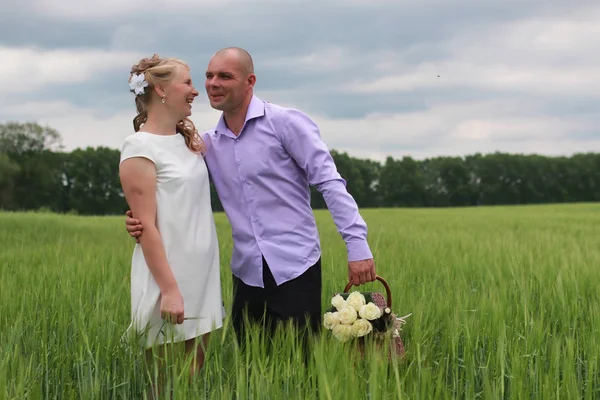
[(243, 58), (230, 80)]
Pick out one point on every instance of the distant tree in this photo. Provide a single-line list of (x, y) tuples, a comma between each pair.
[(32, 148), (22, 138), (8, 172), (369, 171), (402, 183), (91, 181), (35, 173), (449, 182)]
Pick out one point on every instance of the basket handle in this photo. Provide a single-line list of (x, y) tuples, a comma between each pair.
[(385, 284)]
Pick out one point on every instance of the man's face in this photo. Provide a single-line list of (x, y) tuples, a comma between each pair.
[(226, 83)]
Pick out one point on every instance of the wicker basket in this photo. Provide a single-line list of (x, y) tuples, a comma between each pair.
[(389, 326)]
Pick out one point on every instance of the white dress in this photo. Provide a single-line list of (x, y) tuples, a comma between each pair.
[(187, 228)]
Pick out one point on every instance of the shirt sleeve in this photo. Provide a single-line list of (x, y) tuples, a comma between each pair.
[(136, 147), (302, 140)]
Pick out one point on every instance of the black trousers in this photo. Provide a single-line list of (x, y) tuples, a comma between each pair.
[(298, 300)]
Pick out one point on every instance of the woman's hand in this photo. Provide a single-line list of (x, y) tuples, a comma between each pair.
[(171, 307)]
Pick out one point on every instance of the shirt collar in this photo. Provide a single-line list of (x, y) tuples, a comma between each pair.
[(256, 109)]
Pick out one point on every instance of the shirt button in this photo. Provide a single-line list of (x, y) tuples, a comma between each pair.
[(239, 160)]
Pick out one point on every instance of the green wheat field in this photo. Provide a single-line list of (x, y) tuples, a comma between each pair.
[(505, 303)]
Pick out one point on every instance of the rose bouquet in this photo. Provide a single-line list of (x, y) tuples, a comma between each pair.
[(358, 315)]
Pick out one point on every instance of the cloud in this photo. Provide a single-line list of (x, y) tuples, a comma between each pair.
[(536, 57), (67, 9), (498, 77), (458, 129), (25, 70), (513, 76), (453, 129), (84, 126)]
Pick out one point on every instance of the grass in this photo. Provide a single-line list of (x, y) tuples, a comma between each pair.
[(504, 303)]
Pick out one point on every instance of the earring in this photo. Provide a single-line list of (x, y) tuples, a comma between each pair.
[(163, 98)]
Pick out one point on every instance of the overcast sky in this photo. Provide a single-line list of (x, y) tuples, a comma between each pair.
[(381, 77)]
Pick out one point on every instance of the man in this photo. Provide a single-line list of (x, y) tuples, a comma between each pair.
[(262, 159)]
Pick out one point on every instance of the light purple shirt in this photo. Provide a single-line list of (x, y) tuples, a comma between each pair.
[(262, 178)]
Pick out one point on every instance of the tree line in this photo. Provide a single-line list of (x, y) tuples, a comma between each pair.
[(36, 174)]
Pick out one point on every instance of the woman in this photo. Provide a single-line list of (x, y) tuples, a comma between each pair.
[(175, 280)]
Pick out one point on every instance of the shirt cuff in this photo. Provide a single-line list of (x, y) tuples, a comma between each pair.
[(358, 251)]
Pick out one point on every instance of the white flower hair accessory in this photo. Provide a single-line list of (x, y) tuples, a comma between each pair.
[(137, 83)]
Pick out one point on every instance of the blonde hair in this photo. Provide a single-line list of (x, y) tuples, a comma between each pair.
[(157, 71)]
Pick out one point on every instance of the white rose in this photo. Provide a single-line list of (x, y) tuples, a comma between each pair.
[(370, 311), (331, 319), (342, 332), (348, 315), (361, 327), (338, 302), (356, 300)]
